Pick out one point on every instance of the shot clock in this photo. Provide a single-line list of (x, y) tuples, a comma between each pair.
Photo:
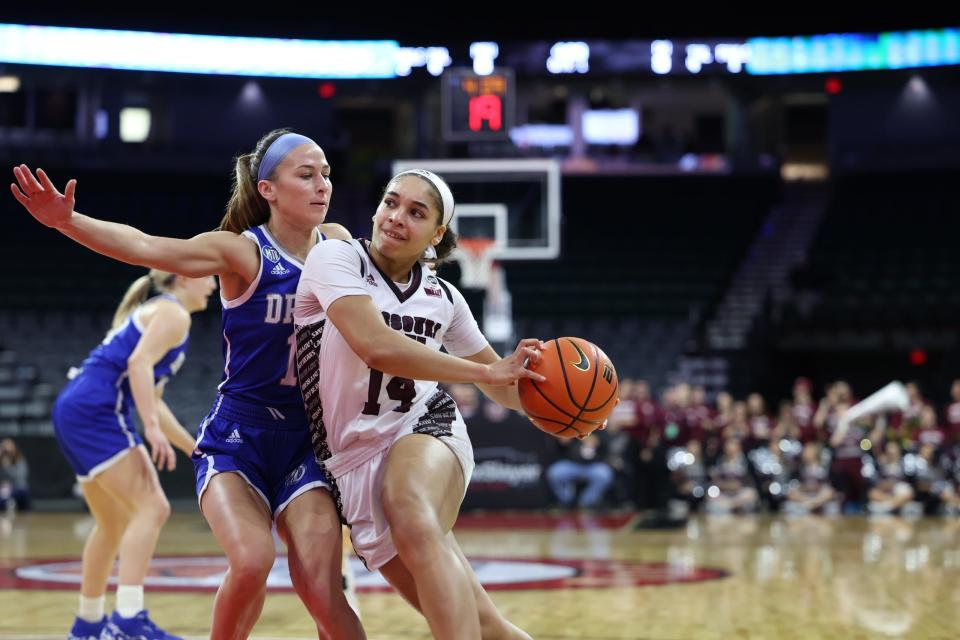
[(477, 107)]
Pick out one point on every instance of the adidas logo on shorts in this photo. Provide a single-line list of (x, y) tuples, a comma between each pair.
[(234, 438)]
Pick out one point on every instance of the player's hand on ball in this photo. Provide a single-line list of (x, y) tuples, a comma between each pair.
[(508, 370)]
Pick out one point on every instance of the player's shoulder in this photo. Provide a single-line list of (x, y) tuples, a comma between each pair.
[(169, 306), (335, 251), (169, 314), (450, 293), (332, 248), (334, 231)]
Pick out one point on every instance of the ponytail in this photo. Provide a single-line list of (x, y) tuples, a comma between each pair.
[(139, 291), (247, 208)]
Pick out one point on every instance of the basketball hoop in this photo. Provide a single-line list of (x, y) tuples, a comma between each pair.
[(475, 256)]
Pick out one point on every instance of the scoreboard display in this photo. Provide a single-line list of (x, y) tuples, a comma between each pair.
[(477, 107)]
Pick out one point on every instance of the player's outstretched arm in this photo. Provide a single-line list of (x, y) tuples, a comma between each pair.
[(212, 253)]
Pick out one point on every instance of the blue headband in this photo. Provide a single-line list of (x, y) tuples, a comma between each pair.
[(277, 151)]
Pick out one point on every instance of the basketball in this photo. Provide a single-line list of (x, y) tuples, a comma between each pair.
[(580, 392)]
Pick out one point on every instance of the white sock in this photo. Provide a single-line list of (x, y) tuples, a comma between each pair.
[(129, 600), (91, 609)]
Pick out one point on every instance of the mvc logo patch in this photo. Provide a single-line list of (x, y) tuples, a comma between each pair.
[(270, 254)]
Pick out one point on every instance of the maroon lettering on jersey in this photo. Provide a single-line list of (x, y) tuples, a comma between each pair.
[(412, 325)]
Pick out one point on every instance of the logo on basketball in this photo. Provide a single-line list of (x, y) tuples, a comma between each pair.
[(584, 363), (607, 372), (271, 254), (296, 475), (568, 404)]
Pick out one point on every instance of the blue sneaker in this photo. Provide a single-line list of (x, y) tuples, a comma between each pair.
[(139, 627), (86, 630)]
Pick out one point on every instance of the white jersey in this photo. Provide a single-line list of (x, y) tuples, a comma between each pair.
[(355, 411)]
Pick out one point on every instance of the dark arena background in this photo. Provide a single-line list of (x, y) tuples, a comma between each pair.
[(756, 219)]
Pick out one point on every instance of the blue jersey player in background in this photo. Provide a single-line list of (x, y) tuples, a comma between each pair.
[(254, 460), (93, 420)]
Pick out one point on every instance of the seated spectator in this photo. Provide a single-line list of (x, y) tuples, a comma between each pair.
[(581, 461), (732, 488), (773, 469), (14, 477), (890, 491), (931, 479), (810, 491), (689, 473)]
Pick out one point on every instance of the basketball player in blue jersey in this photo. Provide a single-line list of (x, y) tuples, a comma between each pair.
[(94, 426), (371, 320), (254, 460)]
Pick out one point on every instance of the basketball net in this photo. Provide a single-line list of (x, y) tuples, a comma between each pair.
[(475, 256), (478, 270)]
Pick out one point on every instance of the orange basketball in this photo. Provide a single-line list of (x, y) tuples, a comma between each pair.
[(580, 392)]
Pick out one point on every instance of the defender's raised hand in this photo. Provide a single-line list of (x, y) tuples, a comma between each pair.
[(41, 198)]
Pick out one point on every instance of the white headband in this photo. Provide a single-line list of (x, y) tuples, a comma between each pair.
[(445, 194)]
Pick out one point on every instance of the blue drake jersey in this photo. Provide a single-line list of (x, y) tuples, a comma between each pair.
[(109, 358), (259, 345)]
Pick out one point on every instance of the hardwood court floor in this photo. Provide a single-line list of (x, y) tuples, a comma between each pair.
[(570, 577)]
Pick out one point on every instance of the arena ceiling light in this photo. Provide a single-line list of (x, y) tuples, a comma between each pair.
[(134, 124), (186, 53), (9, 84), (837, 52)]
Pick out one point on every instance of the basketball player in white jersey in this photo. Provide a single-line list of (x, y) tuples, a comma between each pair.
[(371, 320)]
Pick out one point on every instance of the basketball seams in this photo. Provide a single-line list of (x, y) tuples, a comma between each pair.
[(564, 424), (564, 421), (607, 401), (552, 403), (615, 389), (566, 381), (590, 422), (593, 383)]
